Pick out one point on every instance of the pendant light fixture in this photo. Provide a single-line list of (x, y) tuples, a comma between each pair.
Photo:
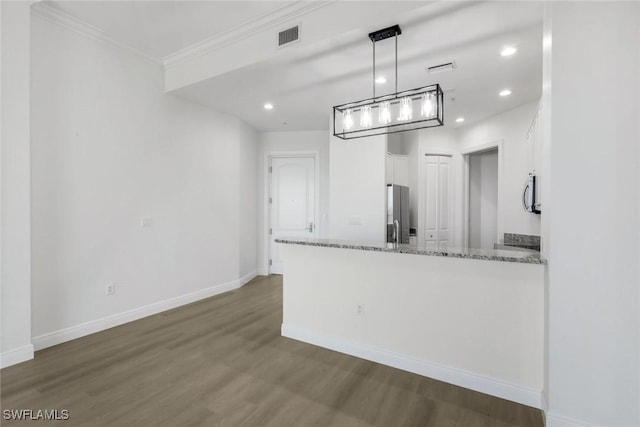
[(397, 112)]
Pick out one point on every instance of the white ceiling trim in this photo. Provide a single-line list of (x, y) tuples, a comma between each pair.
[(271, 19), (58, 17)]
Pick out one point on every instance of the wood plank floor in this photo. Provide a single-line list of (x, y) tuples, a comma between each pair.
[(222, 362)]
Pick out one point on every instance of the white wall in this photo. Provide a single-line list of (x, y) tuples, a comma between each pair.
[(108, 147), (248, 194), (511, 127), (543, 131), (358, 189), (15, 345), (283, 143), (483, 199), (593, 283), (398, 143)]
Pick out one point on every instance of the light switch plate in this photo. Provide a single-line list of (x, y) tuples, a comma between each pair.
[(146, 221)]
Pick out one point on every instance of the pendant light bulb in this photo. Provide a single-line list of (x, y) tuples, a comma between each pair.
[(428, 109), (384, 114), (347, 120), (365, 117), (406, 109)]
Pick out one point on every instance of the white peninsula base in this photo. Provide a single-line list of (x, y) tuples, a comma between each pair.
[(475, 323)]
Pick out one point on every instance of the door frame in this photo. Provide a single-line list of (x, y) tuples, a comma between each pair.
[(489, 146), (422, 203), (268, 156)]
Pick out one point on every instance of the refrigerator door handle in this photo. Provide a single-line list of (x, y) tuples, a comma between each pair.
[(524, 198), (396, 230)]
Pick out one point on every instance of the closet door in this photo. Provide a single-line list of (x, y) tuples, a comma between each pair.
[(438, 192)]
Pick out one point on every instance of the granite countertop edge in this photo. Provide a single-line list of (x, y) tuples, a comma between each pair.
[(480, 254)]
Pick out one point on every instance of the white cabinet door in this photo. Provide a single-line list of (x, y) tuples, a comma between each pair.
[(437, 198), (534, 141), (292, 202), (401, 170), (389, 170), (397, 169)]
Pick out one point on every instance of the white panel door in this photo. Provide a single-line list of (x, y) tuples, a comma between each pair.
[(431, 201), (438, 194), (292, 203)]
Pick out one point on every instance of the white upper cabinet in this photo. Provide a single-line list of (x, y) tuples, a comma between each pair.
[(397, 169), (534, 141)]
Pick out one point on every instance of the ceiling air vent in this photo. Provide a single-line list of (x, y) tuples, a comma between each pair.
[(441, 68), (289, 35)]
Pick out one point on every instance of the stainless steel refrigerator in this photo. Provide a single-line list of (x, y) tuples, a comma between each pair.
[(397, 214)]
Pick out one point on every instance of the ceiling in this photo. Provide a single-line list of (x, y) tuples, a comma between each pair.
[(304, 83), (160, 28)]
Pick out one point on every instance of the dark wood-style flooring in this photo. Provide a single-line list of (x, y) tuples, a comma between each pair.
[(222, 362)]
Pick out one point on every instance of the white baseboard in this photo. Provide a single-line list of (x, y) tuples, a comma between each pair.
[(15, 356), (68, 334), (544, 407), (459, 377), (263, 271), (555, 420), (247, 278)]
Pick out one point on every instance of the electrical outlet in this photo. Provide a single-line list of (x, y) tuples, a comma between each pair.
[(354, 220), (359, 309), (146, 222), (110, 289)]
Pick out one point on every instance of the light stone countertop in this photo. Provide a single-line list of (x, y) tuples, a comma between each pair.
[(483, 254)]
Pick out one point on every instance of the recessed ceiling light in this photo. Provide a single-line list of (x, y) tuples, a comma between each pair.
[(268, 106), (380, 80), (505, 92), (508, 51), (460, 120)]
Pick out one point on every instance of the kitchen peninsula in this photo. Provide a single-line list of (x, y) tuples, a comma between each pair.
[(474, 318)]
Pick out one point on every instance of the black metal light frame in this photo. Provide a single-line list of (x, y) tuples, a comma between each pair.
[(394, 99)]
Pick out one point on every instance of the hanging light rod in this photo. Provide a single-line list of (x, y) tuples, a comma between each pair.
[(394, 111)]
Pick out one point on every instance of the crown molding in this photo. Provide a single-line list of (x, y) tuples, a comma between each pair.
[(274, 18), (63, 19)]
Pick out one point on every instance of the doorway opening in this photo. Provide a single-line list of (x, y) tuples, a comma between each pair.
[(482, 199)]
